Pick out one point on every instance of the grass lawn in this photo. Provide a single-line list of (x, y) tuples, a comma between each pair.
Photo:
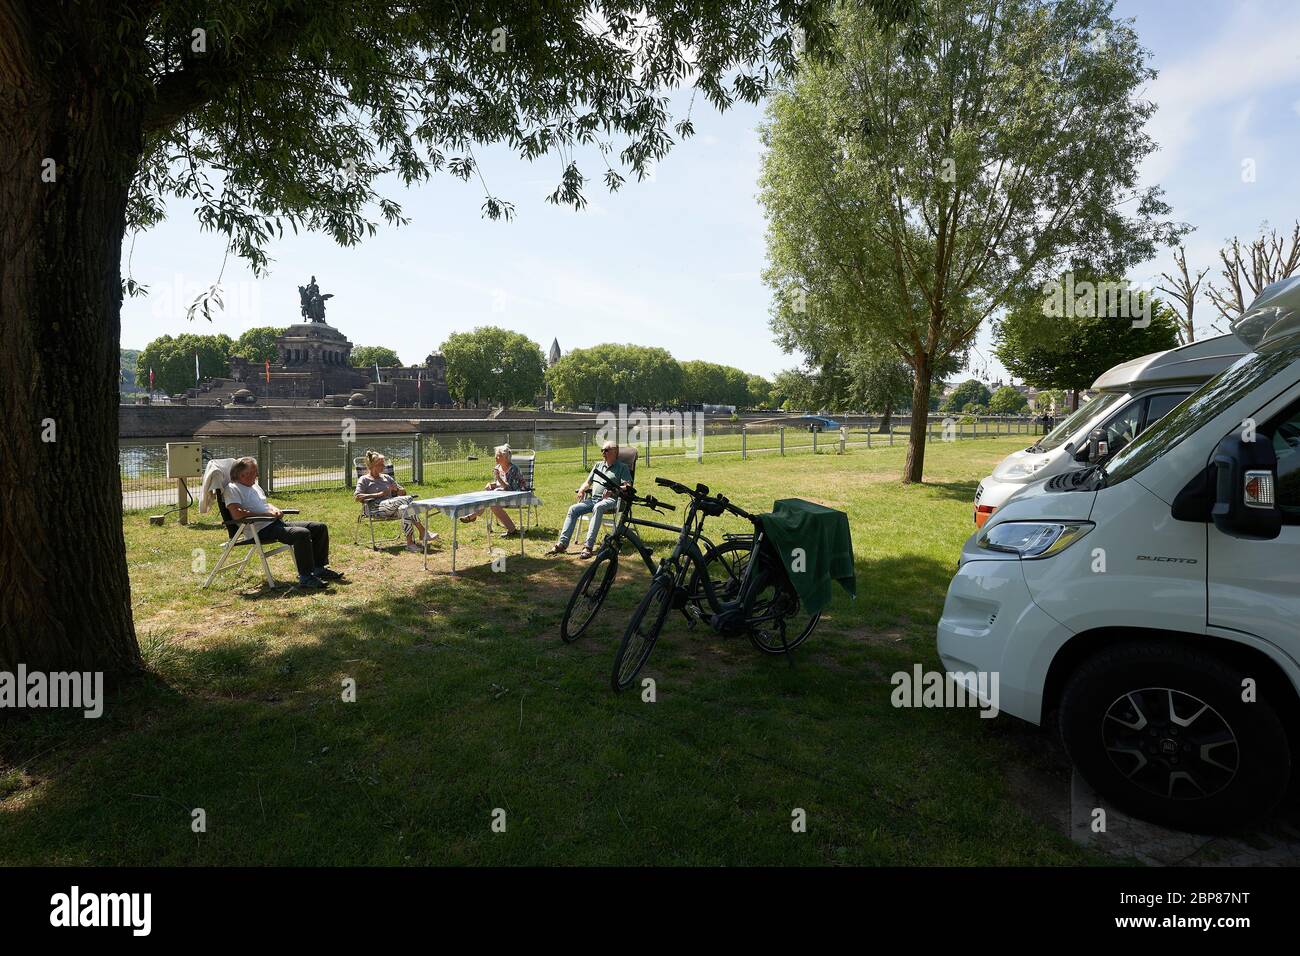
[(467, 701)]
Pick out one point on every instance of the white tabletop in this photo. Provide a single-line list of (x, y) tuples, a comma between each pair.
[(457, 505)]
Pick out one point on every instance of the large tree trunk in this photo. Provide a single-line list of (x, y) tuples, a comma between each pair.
[(914, 466), (886, 421), (65, 600)]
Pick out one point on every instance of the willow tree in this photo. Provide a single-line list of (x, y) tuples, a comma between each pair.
[(924, 174), (267, 115)]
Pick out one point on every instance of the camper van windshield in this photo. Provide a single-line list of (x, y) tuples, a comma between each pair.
[(1059, 435), (1224, 390)]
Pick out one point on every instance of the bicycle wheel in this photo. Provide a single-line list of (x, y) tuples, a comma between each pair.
[(725, 566), (589, 594), (781, 623), (642, 632)]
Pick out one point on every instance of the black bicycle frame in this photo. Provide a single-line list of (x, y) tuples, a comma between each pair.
[(625, 530), (692, 530)]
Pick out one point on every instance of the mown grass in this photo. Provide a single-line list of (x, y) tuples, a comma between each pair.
[(467, 701)]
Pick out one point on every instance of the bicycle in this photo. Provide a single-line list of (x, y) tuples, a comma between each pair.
[(593, 586), (755, 597)]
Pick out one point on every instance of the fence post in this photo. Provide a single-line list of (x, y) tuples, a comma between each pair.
[(417, 459), (744, 435), (347, 464), (868, 432), (844, 432), (782, 431), (647, 451), (814, 435), (265, 465), (584, 450)]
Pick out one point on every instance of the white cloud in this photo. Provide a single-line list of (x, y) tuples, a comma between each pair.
[(1251, 56)]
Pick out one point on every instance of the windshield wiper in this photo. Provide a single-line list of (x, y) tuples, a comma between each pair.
[(1097, 474)]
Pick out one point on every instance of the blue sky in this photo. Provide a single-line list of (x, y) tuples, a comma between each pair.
[(675, 261)]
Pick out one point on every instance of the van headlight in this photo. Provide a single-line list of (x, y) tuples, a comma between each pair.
[(1033, 539), (1022, 469)]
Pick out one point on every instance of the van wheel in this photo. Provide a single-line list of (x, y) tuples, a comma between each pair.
[(1162, 732)]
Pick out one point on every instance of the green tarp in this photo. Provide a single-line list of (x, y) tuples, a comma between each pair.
[(827, 549)]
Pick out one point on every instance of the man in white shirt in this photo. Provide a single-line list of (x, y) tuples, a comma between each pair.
[(310, 539)]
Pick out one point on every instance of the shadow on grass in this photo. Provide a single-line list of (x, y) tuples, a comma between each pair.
[(466, 701), (963, 491)]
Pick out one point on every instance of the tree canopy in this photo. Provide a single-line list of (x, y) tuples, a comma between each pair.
[(611, 374), (494, 365), (1070, 352), (914, 184), (1007, 400), (970, 392), (172, 360), (368, 356), (258, 344)]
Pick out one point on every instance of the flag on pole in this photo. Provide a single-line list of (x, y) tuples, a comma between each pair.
[(377, 378), (268, 371), (419, 381), (151, 380), (196, 367)]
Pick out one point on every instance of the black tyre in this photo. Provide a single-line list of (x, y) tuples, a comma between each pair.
[(589, 595), (789, 625), (724, 564), (1161, 731), (642, 632)]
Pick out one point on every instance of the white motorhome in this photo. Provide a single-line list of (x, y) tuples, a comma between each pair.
[(1131, 397), (1153, 602)]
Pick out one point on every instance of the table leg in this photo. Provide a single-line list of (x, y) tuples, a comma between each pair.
[(424, 538), (454, 543), (520, 527)]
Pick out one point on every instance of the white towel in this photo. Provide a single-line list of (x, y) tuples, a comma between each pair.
[(216, 475)]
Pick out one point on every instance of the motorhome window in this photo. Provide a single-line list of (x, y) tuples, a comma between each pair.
[(1224, 390), (1158, 406), (1286, 443), (1124, 427), (1059, 435)]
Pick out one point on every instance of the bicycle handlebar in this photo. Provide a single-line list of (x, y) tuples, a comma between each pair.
[(701, 495)]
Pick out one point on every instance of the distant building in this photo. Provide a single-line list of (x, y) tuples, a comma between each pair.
[(313, 363), (554, 355)]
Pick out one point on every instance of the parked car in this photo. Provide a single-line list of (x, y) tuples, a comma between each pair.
[(1131, 397), (819, 423), (1152, 601)]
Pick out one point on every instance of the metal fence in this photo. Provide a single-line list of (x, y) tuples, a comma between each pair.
[(457, 462)]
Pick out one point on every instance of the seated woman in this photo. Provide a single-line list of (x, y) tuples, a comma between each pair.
[(505, 477), (385, 498)]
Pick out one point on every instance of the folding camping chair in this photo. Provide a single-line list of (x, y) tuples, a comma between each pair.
[(628, 456), (244, 534), (368, 515)]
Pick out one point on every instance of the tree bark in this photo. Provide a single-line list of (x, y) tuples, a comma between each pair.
[(914, 466), (65, 600), (886, 421)]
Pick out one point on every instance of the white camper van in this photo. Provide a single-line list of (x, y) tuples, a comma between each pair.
[(1131, 397), (1153, 601)]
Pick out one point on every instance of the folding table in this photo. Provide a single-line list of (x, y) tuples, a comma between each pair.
[(457, 506)]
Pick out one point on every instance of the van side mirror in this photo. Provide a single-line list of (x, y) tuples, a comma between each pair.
[(1245, 488), (1095, 448)]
